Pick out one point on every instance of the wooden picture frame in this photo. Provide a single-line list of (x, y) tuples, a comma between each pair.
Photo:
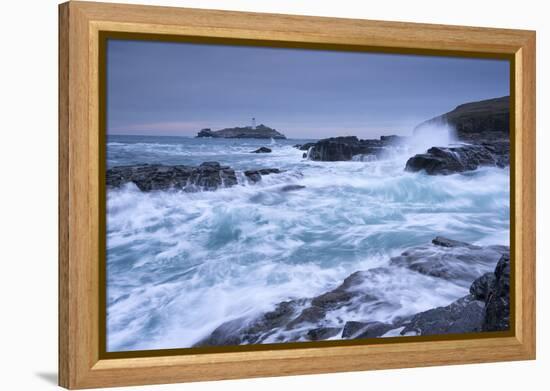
[(81, 238)]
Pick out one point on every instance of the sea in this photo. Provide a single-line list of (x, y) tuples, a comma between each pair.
[(179, 264)]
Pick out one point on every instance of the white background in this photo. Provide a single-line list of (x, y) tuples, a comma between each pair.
[(28, 194)]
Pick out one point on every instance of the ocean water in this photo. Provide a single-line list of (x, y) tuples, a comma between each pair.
[(181, 264)]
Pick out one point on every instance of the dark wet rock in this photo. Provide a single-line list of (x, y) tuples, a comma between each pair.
[(208, 176), (486, 120), (239, 331), (304, 147), (256, 175), (445, 242), (262, 150), (462, 158), (206, 132), (462, 316), (332, 299), (323, 333), (352, 328), (292, 187), (149, 177), (481, 286), (497, 309), (346, 147), (451, 260), (311, 314), (346, 295), (260, 131), (226, 334), (356, 330), (483, 126), (486, 308), (279, 317), (334, 149), (500, 150), (348, 291), (374, 330)]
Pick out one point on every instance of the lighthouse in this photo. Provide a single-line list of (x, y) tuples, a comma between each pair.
[(253, 123)]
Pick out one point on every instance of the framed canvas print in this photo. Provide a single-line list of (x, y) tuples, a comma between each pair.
[(248, 195)]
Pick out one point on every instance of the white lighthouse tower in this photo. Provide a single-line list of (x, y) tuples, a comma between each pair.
[(253, 123)]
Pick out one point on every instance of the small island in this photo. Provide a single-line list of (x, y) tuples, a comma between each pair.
[(261, 131)]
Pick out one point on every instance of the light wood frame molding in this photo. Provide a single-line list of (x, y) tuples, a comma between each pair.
[(80, 24)]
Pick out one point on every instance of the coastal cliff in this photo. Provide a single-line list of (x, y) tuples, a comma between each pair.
[(261, 131), (482, 131), (484, 120)]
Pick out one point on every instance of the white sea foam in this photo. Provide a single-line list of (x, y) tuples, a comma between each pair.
[(429, 135), (181, 264)]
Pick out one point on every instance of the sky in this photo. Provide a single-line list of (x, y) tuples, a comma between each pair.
[(176, 89)]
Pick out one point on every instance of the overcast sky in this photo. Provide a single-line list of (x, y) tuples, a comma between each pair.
[(157, 88)]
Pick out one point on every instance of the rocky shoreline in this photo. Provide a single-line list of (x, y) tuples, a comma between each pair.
[(485, 308), (483, 140), (462, 158), (208, 176), (482, 130)]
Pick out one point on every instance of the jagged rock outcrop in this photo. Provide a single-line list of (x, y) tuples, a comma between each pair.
[(486, 308), (483, 128), (260, 131), (481, 287), (485, 120), (262, 150), (497, 308), (256, 175), (359, 330), (243, 331), (207, 177), (461, 158), (464, 315), (304, 147), (450, 259), (148, 177), (298, 319), (346, 147)]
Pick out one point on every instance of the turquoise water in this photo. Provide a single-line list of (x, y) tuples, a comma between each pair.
[(180, 264)]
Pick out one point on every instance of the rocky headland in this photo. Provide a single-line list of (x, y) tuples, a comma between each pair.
[(482, 131), (482, 128), (261, 131), (485, 308), (475, 122)]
